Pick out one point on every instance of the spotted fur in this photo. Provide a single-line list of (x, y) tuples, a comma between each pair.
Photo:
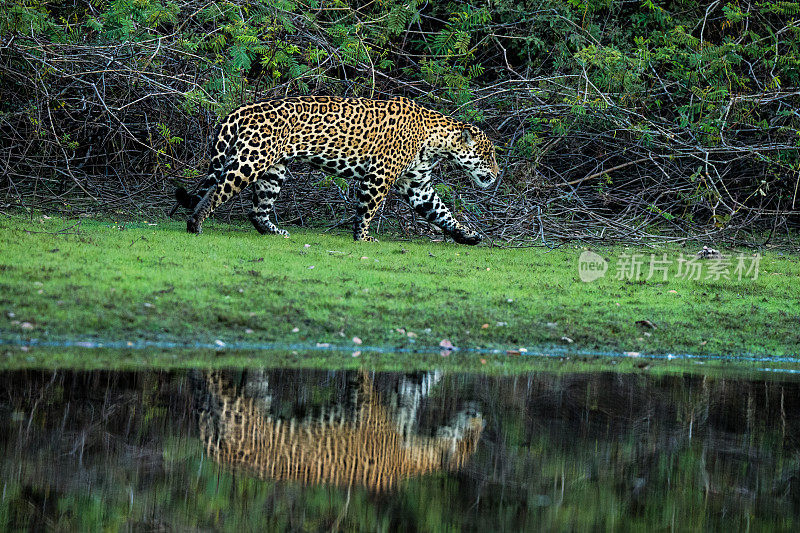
[(378, 143), (366, 442)]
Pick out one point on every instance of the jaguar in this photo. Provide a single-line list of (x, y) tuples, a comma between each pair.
[(366, 441), (378, 143)]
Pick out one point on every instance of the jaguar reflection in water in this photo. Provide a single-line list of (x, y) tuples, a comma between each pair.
[(363, 442), (712, 450)]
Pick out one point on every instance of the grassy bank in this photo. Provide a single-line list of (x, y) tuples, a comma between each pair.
[(567, 362), (72, 279)]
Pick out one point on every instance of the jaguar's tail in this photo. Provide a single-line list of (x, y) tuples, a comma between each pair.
[(183, 199), (216, 166)]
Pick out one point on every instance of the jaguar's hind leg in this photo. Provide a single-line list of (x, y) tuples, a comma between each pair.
[(235, 180), (265, 191), (241, 167)]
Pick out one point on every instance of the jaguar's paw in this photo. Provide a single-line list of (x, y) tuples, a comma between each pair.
[(470, 239)]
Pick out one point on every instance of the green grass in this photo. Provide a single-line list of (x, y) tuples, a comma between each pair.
[(64, 279)]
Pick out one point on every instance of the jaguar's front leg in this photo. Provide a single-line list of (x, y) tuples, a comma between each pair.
[(371, 192), (428, 205)]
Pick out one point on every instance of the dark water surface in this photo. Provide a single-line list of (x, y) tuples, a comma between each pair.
[(268, 449)]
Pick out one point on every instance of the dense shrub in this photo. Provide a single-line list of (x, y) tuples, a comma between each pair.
[(612, 118)]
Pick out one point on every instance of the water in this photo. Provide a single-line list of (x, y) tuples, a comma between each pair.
[(272, 449)]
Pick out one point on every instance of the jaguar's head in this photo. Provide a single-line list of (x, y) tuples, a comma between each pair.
[(474, 152)]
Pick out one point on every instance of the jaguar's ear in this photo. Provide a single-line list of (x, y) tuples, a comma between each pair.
[(466, 137)]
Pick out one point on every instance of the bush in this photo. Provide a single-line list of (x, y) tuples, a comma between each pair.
[(611, 118)]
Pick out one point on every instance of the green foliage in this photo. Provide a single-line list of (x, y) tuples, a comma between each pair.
[(334, 181), (29, 17), (612, 81), (741, 48), (648, 43), (132, 19)]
